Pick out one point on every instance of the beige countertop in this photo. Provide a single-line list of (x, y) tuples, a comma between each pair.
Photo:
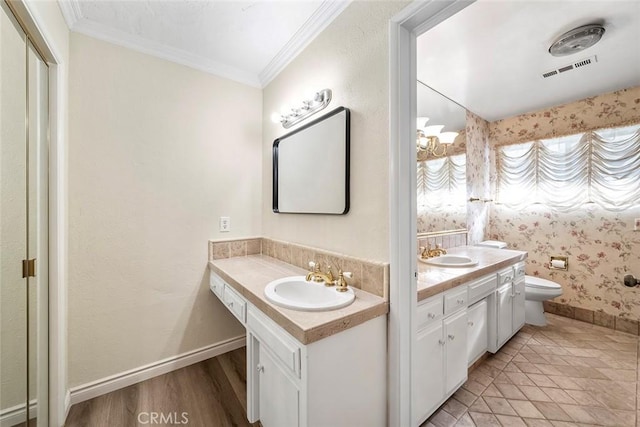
[(433, 280), (249, 275)]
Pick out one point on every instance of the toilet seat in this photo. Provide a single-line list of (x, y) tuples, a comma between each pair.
[(539, 283)]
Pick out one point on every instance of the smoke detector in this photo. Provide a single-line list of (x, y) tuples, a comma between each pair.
[(577, 40)]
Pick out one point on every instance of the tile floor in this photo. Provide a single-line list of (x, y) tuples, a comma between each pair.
[(568, 373)]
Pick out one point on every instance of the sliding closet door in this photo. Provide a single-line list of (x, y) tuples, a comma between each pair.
[(38, 200), (13, 220), (24, 170)]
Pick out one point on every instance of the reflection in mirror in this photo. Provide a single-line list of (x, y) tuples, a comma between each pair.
[(441, 171)]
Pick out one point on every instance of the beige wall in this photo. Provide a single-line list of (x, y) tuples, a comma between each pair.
[(157, 153), (351, 58), (601, 245)]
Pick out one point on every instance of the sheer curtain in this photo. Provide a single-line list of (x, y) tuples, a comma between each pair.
[(601, 167), (442, 182)]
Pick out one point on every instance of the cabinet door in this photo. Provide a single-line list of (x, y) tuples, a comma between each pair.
[(477, 336), (428, 379), (518, 305), (278, 395), (505, 313), (455, 336)]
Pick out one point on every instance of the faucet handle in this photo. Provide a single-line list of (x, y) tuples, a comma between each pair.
[(315, 266), (341, 283)]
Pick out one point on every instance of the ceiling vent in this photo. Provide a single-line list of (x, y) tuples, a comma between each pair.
[(578, 64)]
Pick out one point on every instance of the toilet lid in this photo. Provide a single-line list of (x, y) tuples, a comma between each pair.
[(537, 282)]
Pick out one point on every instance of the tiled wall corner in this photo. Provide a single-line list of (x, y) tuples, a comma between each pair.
[(220, 249), (445, 240), (599, 318), (370, 276)]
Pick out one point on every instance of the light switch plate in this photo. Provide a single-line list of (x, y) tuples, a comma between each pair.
[(225, 224), (636, 224)]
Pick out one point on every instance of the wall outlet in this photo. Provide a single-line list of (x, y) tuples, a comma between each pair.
[(636, 224), (225, 224)]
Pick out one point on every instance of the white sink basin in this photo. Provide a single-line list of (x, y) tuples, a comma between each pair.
[(450, 260), (296, 293)]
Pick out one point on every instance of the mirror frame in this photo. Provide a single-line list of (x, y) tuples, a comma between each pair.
[(276, 147)]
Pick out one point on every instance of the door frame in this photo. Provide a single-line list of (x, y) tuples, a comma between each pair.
[(41, 34), (404, 29)]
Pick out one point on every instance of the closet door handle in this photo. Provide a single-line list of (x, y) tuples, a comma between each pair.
[(260, 368), (452, 337)]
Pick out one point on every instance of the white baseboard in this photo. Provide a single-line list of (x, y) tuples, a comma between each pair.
[(16, 414), (134, 376)]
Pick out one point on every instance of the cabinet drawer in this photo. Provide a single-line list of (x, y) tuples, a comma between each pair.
[(505, 276), (429, 310), (235, 303), (455, 299), (216, 284), (520, 270), (481, 288), (284, 347)]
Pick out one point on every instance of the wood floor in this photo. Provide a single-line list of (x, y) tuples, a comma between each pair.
[(210, 394)]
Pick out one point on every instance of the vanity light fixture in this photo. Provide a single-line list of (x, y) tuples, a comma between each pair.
[(291, 116), (434, 142)]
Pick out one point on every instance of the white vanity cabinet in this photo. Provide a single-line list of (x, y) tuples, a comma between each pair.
[(478, 334), (339, 380), (455, 328), (510, 311), (440, 354)]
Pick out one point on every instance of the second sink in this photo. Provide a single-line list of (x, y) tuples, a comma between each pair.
[(450, 260), (296, 293)]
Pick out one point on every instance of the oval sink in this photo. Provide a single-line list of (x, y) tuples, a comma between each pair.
[(450, 260), (296, 293)]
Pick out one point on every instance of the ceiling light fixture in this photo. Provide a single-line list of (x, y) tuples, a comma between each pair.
[(432, 141), (291, 116), (577, 40)]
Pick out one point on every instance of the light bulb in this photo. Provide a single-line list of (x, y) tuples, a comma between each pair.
[(276, 117), (285, 110), (433, 130), (422, 122), (447, 137), (310, 95)]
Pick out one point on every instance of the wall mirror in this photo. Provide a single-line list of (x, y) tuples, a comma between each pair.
[(441, 171), (311, 167)]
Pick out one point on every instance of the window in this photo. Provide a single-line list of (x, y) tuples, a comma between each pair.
[(442, 182), (600, 167)]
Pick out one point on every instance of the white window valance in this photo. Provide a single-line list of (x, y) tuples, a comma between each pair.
[(601, 167), (442, 182)]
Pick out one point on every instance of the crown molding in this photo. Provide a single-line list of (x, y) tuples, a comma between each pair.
[(70, 11), (316, 23), (149, 47), (321, 18)]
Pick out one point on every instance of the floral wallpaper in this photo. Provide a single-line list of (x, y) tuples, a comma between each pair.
[(478, 173), (449, 218), (601, 245), (610, 109)]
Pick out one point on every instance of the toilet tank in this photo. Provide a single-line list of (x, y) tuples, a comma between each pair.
[(493, 244)]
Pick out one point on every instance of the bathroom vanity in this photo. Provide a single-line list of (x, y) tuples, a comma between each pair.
[(289, 350), (462, 313)]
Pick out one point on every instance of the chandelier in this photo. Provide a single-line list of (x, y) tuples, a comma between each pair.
[(431, 139)]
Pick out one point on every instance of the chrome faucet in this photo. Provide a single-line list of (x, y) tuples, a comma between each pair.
[(317, 276)]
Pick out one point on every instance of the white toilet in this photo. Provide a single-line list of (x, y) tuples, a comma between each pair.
[(536, 290)]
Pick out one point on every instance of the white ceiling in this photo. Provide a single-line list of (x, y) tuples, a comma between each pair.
[(440, 110), (490, 56), (247, 41)]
